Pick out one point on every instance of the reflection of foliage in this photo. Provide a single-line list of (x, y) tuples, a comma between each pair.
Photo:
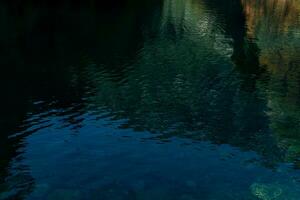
[(187, 88), (271, 17), (168, 84), (285, 114), (276, 25), (182, 83)]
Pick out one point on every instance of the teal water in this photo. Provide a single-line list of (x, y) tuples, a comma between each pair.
[(161, 99)]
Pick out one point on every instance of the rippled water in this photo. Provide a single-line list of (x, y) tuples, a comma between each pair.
[(161, 99)]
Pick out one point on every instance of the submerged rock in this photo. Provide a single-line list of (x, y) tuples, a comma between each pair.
[(266, 191)]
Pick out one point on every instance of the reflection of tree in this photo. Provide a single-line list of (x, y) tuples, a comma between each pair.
[(275, 25), (275, 17), (199, 95)]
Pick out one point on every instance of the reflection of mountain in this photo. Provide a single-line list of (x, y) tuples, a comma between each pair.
[(276, 27)]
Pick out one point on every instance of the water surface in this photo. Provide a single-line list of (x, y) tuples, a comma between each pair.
[(161, 99)]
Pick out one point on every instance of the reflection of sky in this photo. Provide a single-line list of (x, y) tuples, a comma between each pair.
[(98, 154)]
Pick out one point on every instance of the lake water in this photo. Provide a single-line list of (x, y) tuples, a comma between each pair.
[(144, 100)]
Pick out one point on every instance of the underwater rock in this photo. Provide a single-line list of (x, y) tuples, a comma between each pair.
[(266, 191)]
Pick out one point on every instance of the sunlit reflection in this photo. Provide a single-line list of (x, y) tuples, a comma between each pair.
[(275, 25)]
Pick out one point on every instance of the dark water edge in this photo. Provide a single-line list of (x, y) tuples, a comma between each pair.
[(162, 99)]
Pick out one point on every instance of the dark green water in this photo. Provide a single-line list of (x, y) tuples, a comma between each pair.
[(150, 100)]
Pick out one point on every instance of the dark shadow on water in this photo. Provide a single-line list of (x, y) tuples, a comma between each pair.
[(44, 48)]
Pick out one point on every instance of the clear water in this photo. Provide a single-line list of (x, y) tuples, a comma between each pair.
[(161, 99)]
